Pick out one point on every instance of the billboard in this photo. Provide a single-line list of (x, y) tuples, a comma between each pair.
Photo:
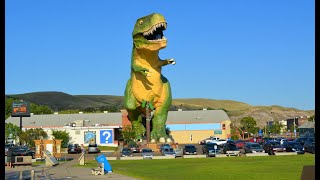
[(90, 137), (20, 109), (106, 136)]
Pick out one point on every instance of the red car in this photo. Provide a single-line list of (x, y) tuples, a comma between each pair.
[(256, 139), (240, 143)]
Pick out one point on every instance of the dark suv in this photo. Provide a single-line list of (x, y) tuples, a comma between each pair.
[(189, 149), (74, 148), (22, 151), (209, 151), (309, 145)]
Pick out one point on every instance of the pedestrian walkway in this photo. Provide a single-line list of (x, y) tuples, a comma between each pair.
[(60, 172)]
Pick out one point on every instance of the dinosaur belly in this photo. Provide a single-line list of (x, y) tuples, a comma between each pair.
[(146, 88)]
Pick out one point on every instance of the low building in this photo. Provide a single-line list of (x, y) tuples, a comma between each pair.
[(306, 128), (105, 128)]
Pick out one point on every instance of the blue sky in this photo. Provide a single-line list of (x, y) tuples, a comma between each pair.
[(256, 52)]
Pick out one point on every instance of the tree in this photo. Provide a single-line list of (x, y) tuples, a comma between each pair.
[(8, 107), (248, 124), (311, 118), (12, 131), (69, 111), (276, 127), (63, 135), (40, 109), (128, 134), (27, 137), (168, 132)]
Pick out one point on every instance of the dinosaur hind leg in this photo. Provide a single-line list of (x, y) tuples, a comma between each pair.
[(136, 121), (161, 113), (134, 115)]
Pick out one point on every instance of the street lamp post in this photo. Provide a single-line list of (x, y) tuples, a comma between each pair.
[(294, 127), (148, 122)]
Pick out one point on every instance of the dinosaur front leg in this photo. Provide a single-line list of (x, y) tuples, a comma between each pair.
[(138, 68), (166, 62)]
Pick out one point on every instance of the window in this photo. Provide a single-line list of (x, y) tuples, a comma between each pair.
[(223, 126)]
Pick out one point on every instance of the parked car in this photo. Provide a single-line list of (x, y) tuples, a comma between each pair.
[(126, 152), (271, 147), (93, 148), (231, 141), (134, 147), (179, 152), (204, 141), (211, 140), (210, 151), (162, 146), (252, 147), (147, 153), (22, 151), (309, 145), (189, 149), (294, 147), (231, 149), (6, 148), (256, 140), (240, 143), (74, 148), (265, 139), (301, 140), (168, 151)]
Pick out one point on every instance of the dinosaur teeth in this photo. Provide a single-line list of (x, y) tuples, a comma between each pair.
[(154, 28)]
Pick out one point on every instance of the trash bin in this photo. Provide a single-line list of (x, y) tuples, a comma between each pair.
[(102, 159)]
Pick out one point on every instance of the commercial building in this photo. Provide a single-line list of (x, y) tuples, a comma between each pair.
[(105, 128)]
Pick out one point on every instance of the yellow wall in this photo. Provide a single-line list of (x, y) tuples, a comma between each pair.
[(184, 136)]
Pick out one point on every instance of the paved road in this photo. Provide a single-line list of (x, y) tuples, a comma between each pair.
[(65, 170)]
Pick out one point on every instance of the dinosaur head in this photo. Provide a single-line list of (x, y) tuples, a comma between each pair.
[(148, 32)]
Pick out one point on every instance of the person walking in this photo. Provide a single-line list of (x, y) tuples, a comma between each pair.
[(83, 150), (9, 157)]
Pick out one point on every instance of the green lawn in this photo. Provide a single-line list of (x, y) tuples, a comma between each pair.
[(265, 167)]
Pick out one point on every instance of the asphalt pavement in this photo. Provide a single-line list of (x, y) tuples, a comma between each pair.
[(64, 170)]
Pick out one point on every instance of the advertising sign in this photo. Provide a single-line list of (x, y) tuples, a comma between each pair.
[(90, 137), (20, 109), (106, 136)]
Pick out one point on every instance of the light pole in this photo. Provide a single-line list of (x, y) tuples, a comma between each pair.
[(294, 127)]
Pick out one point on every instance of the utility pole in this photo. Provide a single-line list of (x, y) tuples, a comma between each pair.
[(148, 122), (314, 127), (294, 126)]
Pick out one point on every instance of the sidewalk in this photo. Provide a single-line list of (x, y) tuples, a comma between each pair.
[(60, 172)]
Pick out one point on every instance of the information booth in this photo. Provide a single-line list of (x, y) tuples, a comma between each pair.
[(51, 145)]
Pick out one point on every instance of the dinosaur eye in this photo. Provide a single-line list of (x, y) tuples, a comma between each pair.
[(140, 22)]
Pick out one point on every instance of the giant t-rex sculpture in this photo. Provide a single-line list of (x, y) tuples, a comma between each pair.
[(147, 85)]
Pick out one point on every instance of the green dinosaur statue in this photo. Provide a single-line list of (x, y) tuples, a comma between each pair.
[(147, 86)]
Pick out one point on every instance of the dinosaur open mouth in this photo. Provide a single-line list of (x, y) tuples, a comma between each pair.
[(155, 33)]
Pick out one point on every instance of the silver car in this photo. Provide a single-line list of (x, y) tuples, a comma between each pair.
[(179, 152), (93, 148), (168, 152)]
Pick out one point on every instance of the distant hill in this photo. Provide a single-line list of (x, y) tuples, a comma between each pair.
[(236, 110)]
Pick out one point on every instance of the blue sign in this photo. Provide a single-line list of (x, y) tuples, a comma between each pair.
[(106, 136)]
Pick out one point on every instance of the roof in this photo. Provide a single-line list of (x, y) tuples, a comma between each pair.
[(114, 119), (56, 120), (199, 116), (308, 124)]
